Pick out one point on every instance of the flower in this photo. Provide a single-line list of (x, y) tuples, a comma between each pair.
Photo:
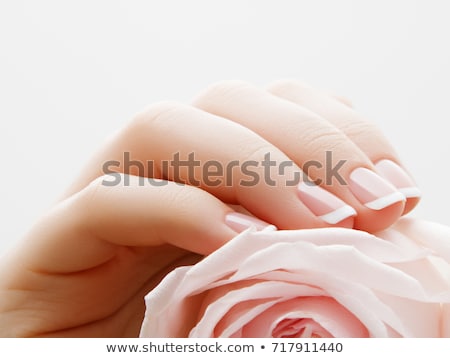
[(328, 282)]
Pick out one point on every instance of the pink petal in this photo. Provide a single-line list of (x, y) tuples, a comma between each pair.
[(445, 331), (218, 309), (300, 328), (325, 311), (349, 265), (168, 315), (355, 297), (430, 235), (334, 261), (422, 319)]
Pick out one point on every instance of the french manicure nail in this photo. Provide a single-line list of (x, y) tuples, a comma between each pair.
[(372, 190), (398, 177), (240, 222), (323, 204)]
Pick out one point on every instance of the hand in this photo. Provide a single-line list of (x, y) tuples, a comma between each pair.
[(84, 268)]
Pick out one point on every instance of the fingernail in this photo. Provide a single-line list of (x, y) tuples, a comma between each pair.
[(240, 222), (372, 190), (323, 204), (397, 176)]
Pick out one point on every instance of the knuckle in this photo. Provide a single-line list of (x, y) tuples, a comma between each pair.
[(220, 90), (89, 194), (362, 129), (343, 99), (179, 195), (154, 113), (257, 152), (84, 204), (326, 138), (182, 198), (287, 86), (102, 187), (321, 141)]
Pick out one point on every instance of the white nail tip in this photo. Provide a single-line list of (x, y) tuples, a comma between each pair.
[(386, 201), (411, 192), (270, 228), (338, 215)]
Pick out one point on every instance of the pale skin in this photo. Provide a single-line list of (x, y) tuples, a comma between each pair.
[(83, 269)]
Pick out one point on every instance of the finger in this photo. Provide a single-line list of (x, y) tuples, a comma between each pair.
[(187, 144), (314, 144), (91, 227), (362, 132)]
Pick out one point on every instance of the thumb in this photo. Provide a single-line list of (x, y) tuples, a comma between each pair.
[(86, 229)]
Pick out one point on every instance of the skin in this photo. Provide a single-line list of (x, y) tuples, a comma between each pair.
[(85, 266)]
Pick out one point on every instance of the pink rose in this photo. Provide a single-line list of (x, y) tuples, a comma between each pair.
[(329, 282)]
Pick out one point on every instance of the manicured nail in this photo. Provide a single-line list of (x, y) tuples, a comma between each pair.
[(323, 204), (240, 222), (372, 190), (397, 176)]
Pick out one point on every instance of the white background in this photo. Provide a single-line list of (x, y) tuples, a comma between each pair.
[(71, 72)]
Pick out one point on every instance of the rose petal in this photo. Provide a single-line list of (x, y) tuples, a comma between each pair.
[(163, 318), (370, 245), (445, 329), (430, 235), (355, 297), (262, 290), (300, 328), (421, 318), (435, 286), (302, 256), (325, 311), (348, 265)]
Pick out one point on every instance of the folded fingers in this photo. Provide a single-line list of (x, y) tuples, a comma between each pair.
[(185, 144), (317, 146), (358, 129)]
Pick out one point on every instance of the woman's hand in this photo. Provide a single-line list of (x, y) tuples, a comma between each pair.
[(84, 268)]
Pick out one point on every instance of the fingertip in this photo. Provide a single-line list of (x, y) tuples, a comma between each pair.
[(400, 179), (212, 240), (347, 223), (325, 205), (232, 225), (377, 220), (410, 204), (240, 222)]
